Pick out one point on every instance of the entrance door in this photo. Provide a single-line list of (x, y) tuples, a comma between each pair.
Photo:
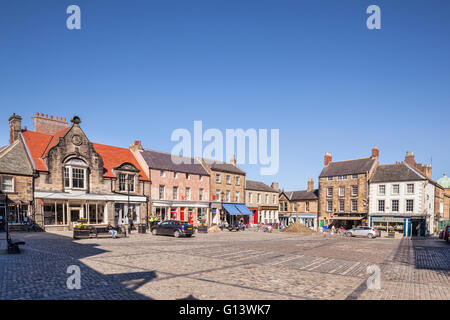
[(74, 215), (255, 217), (2, 218), (182, 213)]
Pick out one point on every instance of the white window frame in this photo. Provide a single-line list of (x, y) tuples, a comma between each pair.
[(354, 202), (329, 205), (330, 195), (341, 191), (382, 186), (392, 205), (407, 188), (381, 205), (237, 196), (218, 178), (398, 188), (12, 184)]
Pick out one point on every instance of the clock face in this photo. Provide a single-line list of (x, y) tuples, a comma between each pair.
[(76, 139)]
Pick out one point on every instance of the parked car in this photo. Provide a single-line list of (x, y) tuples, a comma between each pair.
[(447, 233), (173, 228), (368, 232)]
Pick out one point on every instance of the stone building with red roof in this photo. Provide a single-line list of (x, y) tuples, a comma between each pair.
[(77, 179)]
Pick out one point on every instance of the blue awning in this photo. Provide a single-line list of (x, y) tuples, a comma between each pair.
[(231, 208), (243, 209)]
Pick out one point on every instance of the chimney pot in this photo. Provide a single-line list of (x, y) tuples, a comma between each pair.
[(327, 159)]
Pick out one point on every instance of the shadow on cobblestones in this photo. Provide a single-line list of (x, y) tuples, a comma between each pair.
[(431, 255), (40, 272)]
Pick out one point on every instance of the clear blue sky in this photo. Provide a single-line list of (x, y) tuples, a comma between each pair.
[(140, 69)]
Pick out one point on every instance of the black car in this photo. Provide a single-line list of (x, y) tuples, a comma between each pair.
[(173, 228)]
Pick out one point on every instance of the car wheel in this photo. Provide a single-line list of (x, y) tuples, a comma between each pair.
[(370, 236), (154, 232), (176, 234), (189, 235), (348, 234)]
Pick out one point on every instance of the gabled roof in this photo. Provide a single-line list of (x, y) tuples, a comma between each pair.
[(14, 160), (258, 186), (223, 166), (302, 195), (163, 161), (37, 143), (346, 167), (40, 143), (396, 173)]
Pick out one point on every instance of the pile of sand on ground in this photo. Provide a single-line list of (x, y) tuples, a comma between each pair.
[(213, 229), (298, 227)]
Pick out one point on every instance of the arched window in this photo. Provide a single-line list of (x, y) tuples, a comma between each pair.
[(75, 174)]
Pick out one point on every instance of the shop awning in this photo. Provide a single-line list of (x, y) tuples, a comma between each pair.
[(243, 209), (231, 209)]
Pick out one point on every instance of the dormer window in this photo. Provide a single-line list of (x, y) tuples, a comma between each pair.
[(75, 174)]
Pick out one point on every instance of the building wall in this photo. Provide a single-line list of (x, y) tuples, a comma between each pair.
[(418, 196), (362, 197), (23, 188), (223, 186), (254, 201), (169, 181)]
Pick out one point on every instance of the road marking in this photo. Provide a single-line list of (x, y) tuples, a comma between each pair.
[(321, 264), (254, 256), (283, 261), (351, 268), (316, 260), (234, 253)]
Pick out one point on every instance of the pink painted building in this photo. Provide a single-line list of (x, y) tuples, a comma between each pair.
[(178, 191)]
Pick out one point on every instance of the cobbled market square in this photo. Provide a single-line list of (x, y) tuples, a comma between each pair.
[(226, 265)]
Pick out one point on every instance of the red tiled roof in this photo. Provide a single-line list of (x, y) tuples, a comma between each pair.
[(40, 143), (37, 143), (114, 157)]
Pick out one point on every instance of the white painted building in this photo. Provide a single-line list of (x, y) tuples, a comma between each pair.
[(401, 200)]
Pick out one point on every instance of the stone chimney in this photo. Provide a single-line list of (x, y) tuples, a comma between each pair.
[(275, 186), (233, 160), (375, 152), (136, 145), (49, 124), (409, 159), (310, 185), (15, 127), (327, 159), (425, 169)]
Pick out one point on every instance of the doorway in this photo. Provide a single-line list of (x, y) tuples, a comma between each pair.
[(418, 227)]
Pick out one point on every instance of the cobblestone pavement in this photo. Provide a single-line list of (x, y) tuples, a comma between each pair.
[(227, 265)]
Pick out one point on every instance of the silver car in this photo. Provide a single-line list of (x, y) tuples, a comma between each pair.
[(362, 232)]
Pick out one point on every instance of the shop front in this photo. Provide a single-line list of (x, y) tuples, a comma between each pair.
[(308, 220), (16, 213), (236, 212), (57, 211), (347, 222), (192, 212), (406, 226)]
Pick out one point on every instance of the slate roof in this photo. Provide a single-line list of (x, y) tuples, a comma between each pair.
[(302, 195), (396, 172), (346, 167), (224, 167), (163, 161), (14, 160), (258, 186)]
